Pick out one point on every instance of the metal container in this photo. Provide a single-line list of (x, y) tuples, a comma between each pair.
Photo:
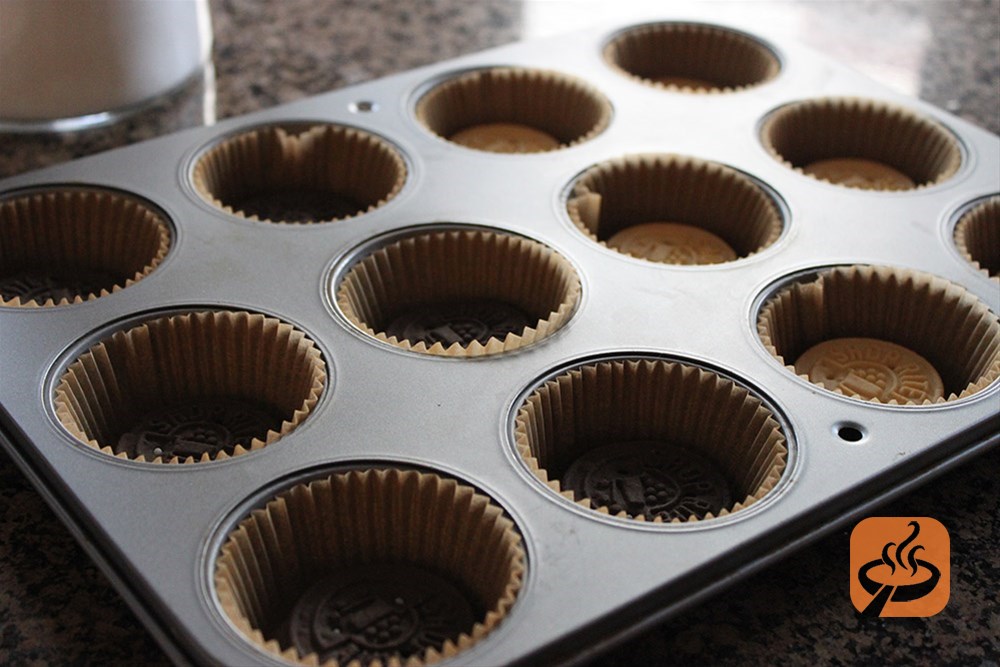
[(591, 579)]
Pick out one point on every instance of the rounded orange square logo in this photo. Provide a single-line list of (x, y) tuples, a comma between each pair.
[(900, 566)]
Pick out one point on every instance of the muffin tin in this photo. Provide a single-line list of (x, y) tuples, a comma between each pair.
[(271, 433)]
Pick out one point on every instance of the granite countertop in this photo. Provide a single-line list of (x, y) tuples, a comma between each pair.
[(57, 608)]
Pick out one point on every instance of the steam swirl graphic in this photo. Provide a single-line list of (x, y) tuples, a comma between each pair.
[(885, 556), (909, 562)]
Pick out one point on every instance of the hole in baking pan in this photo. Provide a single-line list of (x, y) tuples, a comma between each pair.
[(363, 106), (514, 110), (862, 144), (977, 235), (692, 57), (674, 209), (882, 334), (191, 387), (299, 173), (853, 433), (69, 244), (460, 291), (651, 440), (371, 564)]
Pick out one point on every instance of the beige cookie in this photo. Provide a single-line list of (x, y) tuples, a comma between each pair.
[(672, 243), (505, 138), (869, 368), (684, 82), (860, 173)]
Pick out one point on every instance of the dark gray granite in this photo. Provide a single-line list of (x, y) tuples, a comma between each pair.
[(55, 606)]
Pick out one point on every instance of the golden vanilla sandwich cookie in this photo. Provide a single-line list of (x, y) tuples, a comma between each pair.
[(871, 369), (859, 173), (672, 243), (699, 85), (505, 138)]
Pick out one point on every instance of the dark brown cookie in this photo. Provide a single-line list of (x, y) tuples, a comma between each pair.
[(457, 322), (649, 478), (297, 206), (209, 426), (40, 287), (375, 612)]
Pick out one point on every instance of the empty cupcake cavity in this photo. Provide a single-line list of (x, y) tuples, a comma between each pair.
[(514, 110), (883, 334), (863, 144), (460, 292), (977, 235), (674, 209), (300, 173), (191, 387), (651, 440), (373, 566), (69, 245), (692, 57)]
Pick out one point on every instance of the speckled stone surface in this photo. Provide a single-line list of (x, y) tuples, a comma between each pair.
[(56, 607)]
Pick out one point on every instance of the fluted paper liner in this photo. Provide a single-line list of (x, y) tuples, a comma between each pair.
[(185, 358), (375, 516), (568, 109), (803, 133), (939, 320), (67, 238), (652, 400), (692, 57), (326, 160), (637, 189), (450, 265), (977, 236)]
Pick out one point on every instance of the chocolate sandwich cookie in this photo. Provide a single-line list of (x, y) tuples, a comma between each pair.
[(40, 287), (859, 173), (649, 478), (297, 206), (871, 369), (505, 138), (378, 612), (457, 322), (209, 426), (672, 243)]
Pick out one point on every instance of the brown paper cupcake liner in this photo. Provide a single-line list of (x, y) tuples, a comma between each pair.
[(876, 135), (565, 108), (422, 274), (940, 321), (62, 246), (692, 58), (192, 387), (354, 536), (686, 432), (639, 189), (298, 174), (977, 236)]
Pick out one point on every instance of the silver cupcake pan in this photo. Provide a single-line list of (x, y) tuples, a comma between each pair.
[(591, 579)]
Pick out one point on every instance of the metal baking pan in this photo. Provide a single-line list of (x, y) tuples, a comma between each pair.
[(590, 579)]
